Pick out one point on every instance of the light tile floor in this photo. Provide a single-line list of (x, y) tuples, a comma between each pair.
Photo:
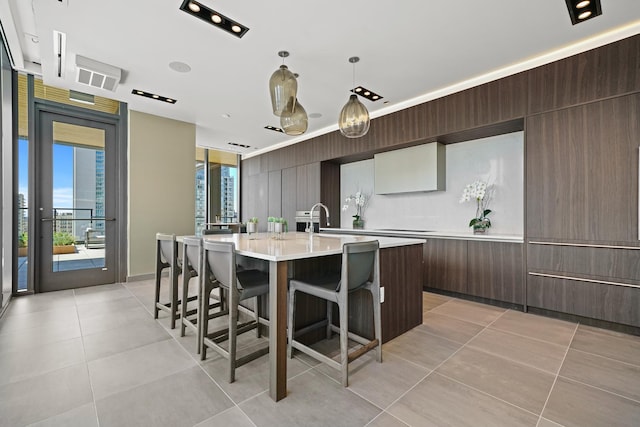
[(96, 357)]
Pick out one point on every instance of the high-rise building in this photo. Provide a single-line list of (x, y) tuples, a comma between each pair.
[(200, 197), (227, 195), (23, 223), (88, 190)]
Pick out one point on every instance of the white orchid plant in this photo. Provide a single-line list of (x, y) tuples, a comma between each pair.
[(359, 200), (480, 193)]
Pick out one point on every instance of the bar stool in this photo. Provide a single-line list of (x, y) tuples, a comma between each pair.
[(167, 257), (192, 266), (360, 270), (220, 261)]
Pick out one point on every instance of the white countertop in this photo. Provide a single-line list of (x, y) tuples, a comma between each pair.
[(457, 235), (299, 245)]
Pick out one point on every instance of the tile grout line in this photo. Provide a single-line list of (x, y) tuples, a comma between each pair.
[(441, 363), (485, 393), (555, 380), (607, 357), (86, 362), (498, 328), (599, 388), (235, 404), (525, 336), (388, 413), (467, 320)]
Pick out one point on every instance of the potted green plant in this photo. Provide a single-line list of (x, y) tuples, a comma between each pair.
[(63, 243), (23, 241), (271, 221), (278, 226), (252, 225)]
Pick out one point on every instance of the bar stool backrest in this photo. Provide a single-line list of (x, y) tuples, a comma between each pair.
[(359, 263), (220, 259), (192, 252), (167, 246)]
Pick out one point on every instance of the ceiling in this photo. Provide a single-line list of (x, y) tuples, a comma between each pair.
[(410, 51)]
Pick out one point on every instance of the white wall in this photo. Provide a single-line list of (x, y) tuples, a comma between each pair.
[(161, 185), (498, 160)]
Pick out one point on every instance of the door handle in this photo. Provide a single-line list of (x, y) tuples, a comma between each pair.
[(76, 219)]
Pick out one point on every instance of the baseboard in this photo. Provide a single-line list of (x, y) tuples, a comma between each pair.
[(502, 304), (141, 277)]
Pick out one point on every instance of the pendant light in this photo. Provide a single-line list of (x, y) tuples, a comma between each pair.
[(283, 87), (354, 117), (294, 123)]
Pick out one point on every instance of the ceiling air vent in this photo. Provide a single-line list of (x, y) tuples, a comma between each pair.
[(97, 74)]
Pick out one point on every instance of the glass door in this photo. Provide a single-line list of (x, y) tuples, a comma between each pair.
[(75, 201)]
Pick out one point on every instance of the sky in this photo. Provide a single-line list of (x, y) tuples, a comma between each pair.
[(62, 177), (63, 174)]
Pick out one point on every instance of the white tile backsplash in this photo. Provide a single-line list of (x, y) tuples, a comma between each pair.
[(499, 160)]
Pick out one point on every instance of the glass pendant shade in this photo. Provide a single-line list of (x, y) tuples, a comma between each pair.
[(354, 118), (294, 120), (283, 87)]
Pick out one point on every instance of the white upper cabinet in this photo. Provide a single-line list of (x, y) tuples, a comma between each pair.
[(419, 168)]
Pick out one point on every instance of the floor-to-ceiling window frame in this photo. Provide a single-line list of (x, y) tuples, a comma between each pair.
[(7, 118), (32, 100), (217, 188)]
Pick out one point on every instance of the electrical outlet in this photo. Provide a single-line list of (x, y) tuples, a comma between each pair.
[(381, 295)]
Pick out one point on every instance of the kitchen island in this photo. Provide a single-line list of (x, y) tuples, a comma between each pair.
[(303, 254)]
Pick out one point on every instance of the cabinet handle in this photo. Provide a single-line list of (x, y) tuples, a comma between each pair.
[(584, 245), (580, 279)]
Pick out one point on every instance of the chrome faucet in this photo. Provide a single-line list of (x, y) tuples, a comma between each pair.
[(310, 223)]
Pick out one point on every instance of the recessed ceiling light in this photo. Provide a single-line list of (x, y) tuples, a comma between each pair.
[(226, 116), (214, 18), (153, 96), (273, 128), (585, 14), (366, 93), (583, 10), (315, 115), (180, 67), (235, 144)]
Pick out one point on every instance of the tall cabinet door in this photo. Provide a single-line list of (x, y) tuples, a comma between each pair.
[(582, 210), (582, 172)]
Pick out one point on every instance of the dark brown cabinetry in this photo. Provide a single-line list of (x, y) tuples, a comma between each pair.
[(491, 270), (582, 172), (308, 185), (275, 193), (583, 254), (581, 120), (611, 70), (289, 189), (495, 271), (445, 265)]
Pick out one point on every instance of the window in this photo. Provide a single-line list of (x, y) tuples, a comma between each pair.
[(216, 186)]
